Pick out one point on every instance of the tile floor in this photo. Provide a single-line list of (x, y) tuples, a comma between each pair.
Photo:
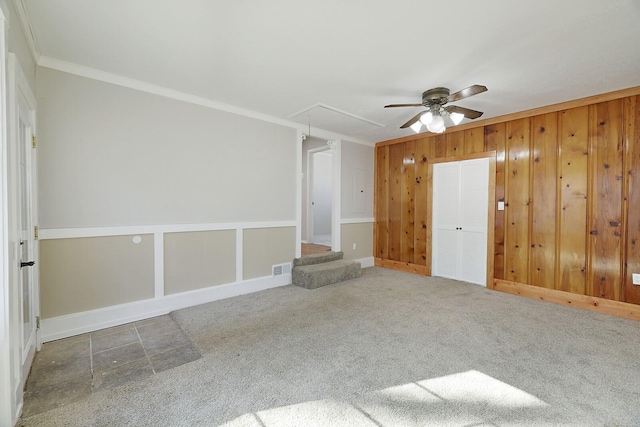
[(71, 369)]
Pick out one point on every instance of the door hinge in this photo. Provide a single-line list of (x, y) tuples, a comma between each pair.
[(33, 141), (37, 322), (35, 232)]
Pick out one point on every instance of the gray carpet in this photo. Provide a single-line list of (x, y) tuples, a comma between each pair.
[(386, 349)]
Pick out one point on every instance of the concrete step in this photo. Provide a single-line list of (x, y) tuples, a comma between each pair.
[(316, 275), (318, 258)]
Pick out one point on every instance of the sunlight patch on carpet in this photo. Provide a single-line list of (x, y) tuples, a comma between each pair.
[(465, 398)]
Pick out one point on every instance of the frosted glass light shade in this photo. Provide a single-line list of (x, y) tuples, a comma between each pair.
[(426, 118), (436, 125), (416, 126), (456, 118)]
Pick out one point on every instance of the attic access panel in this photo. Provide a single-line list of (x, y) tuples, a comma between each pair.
[(333, 119)]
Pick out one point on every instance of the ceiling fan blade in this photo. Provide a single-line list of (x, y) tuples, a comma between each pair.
[(467, 92), (413, 120), (467, 112), (402, 105)]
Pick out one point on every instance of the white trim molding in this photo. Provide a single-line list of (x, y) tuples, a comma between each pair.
[(356, 220), (93, 320), (366, 262), (27, 29), (71, 233)]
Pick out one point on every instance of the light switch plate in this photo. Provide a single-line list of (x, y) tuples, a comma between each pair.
[(636, 278), (500, 205)]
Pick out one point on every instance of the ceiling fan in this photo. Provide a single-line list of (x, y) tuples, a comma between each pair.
[(435, 99)]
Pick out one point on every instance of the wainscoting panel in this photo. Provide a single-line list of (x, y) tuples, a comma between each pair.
[(196, 260), (94, 272)]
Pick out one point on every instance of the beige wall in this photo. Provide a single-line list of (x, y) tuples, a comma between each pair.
[(264, 247), (89, 273), (362, 235), (357, 180), (114, 156), (197, 260)]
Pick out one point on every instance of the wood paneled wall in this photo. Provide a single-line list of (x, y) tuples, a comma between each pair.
[(570, 180)]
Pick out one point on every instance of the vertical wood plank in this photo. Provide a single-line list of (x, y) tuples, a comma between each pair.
[(542, 252), (382, 202), (605, 211), (438, 147), (631, 292), (454, 144), (420, 205), (516, 236), (494, 140), (573, 171), (474, 140), (491, 221), (396, 154), (408, 188)]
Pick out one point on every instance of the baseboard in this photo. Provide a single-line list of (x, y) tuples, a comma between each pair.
[(600, 305), (93, 320), (402, 266), (366, 262)]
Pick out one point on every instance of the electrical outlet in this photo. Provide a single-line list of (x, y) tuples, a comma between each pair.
[(354, 248), (636, 278)]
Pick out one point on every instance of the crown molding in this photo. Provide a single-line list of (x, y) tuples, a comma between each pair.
[(116, 79), (27, 29)]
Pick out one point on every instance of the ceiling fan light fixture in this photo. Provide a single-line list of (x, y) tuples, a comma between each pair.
[(456, 118), (436, 125), (426, 118), (416, 126)]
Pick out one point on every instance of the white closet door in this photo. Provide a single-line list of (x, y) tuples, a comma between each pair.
[(446, 200), (460, 214), (474, 199)]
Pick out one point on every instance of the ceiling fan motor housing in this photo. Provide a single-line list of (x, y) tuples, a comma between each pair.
[(436, 95)]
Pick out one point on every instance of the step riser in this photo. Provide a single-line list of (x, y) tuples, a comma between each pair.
[(313, 279)]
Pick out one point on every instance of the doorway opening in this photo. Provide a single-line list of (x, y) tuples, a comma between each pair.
[(318, 198)]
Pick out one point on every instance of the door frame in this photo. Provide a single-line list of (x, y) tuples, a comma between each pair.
[(19, 91), (334, 144), (491, 204)]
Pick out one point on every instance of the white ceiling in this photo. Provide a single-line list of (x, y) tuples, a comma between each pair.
[(280, 57)]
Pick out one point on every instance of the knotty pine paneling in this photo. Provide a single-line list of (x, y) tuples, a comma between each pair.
[(396, 154), (605, 211), (571, 182), (473, 141), (573, 139), (495, 140), (381, 208), (516, 233), (631, 292), (408, 202), (455, 144), (438, 147), (543, 187), (421, 205)]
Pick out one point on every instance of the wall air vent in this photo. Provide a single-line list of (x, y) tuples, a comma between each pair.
[(280, 269)]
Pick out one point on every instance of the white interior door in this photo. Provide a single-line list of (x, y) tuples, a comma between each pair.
[(446, 200), (460, 215), (474, 212), (28, 307)]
